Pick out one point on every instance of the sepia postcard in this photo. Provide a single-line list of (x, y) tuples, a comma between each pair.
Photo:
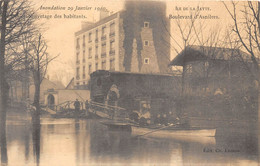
[(129, 82)]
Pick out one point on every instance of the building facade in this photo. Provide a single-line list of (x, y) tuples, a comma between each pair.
[(214, 70), (132, 40), (217, 84)]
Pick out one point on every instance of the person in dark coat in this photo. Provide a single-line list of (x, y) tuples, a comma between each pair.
[(77, 106), (87, 106)]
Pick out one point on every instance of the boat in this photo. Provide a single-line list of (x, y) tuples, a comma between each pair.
[(182, 134), (159, 130), (116, 125), (172, 131)]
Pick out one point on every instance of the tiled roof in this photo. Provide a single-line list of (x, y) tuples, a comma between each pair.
[(193, 53)]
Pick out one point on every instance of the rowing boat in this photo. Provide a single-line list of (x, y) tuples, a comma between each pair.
[(173, 131), (190, 134), (160, 131)]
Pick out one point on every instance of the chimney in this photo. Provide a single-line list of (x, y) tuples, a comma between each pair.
[(85, 24), (103, 14)]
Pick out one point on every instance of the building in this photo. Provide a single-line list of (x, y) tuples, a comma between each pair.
[(64, 98), (133, 40), (214, 70), (18, 92), (158, 93), (218, 86)]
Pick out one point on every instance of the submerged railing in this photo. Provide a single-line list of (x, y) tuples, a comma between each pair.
[(100, 109), (113, 112)]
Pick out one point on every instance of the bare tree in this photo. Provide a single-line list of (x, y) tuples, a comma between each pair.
[(35, 48), (3, 84), (246, 26), (15, 17)]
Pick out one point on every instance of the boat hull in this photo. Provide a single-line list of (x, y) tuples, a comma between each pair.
[(174, 132), (203, 136), (116, 126)]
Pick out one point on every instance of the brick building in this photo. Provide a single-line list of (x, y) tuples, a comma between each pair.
[(135, 39)]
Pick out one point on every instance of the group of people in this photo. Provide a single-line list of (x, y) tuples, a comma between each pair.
[(144, 119), (77, 106)]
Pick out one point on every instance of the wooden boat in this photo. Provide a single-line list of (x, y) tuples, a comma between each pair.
[(192, 134), (162, 131), (116, 126), (173, 131)]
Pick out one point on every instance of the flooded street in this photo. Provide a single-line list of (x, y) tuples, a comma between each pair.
[(68, 142)]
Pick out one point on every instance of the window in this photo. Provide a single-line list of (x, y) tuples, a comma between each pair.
[(90, 53), (103, 48), (84, 74), (96, 66), (96, 34), (103, 37), (189, 69), (146, 43), (103, 65), (146, 60), (77, 76), (90, 37), (84, 39), (146, 24), (112, 29), (84, 68), (112, 64), (84, 55), (104, 31), (112, 45), (206, 64), (96, 51), (77, 43), (89, 69)]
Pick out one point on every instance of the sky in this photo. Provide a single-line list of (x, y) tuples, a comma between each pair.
[(59, 32)]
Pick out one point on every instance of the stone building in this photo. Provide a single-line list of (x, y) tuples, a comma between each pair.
[(135, 39), (19, 93)]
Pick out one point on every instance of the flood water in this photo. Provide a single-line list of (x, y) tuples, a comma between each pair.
[(69, 142)]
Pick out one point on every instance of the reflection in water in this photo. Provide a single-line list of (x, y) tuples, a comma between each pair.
[(86, 142), (4, 158), (36, 137)]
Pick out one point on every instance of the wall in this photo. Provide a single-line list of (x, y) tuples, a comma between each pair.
[(136, 13)]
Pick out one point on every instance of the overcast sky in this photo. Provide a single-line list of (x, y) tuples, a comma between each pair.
[(60, 32)]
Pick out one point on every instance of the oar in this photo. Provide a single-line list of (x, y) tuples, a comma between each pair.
[(154, 131)]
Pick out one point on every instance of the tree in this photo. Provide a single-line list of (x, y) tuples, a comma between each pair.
[(3, 86), (246, 26), (34, 49), (15, 17)]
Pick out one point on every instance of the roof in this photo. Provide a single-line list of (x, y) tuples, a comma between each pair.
[(94, 25), (194, 53), (50, 84), (103, 72), (70, 84)]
